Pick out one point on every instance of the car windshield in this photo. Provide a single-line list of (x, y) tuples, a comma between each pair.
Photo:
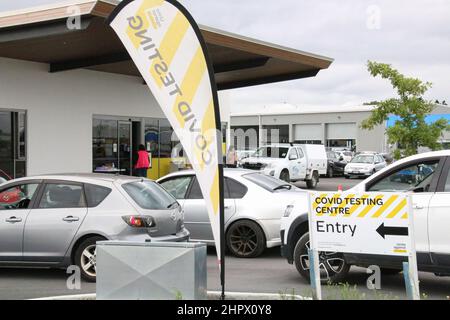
[(267, 182), (363, 159), (415, 178), (271, 152), (149, 195)]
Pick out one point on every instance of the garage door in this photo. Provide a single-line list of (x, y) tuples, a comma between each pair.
[(341, 131), (308, 132)]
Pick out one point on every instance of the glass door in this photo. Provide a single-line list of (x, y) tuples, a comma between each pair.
[(105, 146), (125, 148)]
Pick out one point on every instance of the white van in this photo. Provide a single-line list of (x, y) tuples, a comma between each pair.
[(290, 162)]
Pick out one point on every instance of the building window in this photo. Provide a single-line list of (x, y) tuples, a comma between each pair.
[(342, 143), (308, 142), (276, 134), (12, 144), (105, 144)]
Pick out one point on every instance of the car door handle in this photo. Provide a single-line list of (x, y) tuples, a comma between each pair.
[(71, 219), (418, 207), (14, 220), (227, 207)]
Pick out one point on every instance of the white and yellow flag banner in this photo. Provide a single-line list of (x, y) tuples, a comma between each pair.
[(168, 49)]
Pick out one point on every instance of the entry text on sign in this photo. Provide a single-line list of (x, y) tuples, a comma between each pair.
[(323, 227)]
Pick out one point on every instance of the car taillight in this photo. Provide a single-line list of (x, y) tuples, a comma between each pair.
[(139, 221)]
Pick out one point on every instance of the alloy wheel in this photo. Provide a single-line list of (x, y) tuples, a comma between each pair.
[(89, 260), (330, 263), (244, 240)]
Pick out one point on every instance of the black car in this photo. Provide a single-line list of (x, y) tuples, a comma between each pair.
[(336, 164)]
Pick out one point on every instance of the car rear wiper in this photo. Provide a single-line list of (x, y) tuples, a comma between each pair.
[(283, 186)]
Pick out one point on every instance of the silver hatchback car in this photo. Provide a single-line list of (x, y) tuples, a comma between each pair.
[(56, 220)]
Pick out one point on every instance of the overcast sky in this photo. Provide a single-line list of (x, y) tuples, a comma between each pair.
[(413, 35)]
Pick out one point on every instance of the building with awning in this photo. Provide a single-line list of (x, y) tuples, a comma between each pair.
[(73, 100)]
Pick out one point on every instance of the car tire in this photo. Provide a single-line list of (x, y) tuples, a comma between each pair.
[(334, 268), (330, 172), (245, 239), (85, 258), (284, 175), (312, 184)]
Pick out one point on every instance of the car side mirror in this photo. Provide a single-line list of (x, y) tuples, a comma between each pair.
[(341, 158), (418, 190)]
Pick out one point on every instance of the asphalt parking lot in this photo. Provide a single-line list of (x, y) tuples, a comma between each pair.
[(268, 273)]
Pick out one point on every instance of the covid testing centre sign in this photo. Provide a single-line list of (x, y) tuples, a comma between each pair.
[(367, 223)]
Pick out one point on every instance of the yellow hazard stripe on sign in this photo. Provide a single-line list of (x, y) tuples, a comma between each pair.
[(397, 209), (384, 207), (405, 216), (366, 210), (400, 251), (342, 205), (355, 207)]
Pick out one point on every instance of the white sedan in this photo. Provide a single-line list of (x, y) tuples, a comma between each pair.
[(254, 204), (364, 165)]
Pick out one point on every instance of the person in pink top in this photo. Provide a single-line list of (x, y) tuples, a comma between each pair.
[(143, 162)]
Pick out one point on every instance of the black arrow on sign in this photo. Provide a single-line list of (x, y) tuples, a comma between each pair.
[(391, 231)]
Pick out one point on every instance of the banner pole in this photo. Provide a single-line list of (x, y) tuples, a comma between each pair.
[(314, 264), (222, 231), (412, 271)]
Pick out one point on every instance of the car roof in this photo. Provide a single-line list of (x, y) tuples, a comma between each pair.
[(228, 172), (82, 177), (441, 153)]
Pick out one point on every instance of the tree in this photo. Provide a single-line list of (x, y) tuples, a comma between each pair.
[(410, 130)]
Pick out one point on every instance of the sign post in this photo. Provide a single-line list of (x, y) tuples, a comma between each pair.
[(314, 267), (368, 223)]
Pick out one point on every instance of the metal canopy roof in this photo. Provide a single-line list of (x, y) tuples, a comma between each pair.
[(40, 34)]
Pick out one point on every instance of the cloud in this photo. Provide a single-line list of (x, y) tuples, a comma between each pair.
[(413, 35)]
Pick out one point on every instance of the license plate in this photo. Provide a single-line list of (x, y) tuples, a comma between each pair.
[(355, 171)]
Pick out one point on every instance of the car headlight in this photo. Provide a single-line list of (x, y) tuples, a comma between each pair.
[(288, 211)]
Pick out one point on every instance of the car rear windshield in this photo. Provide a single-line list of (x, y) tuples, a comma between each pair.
[(149, 195), (264, 181), (271, 152)]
